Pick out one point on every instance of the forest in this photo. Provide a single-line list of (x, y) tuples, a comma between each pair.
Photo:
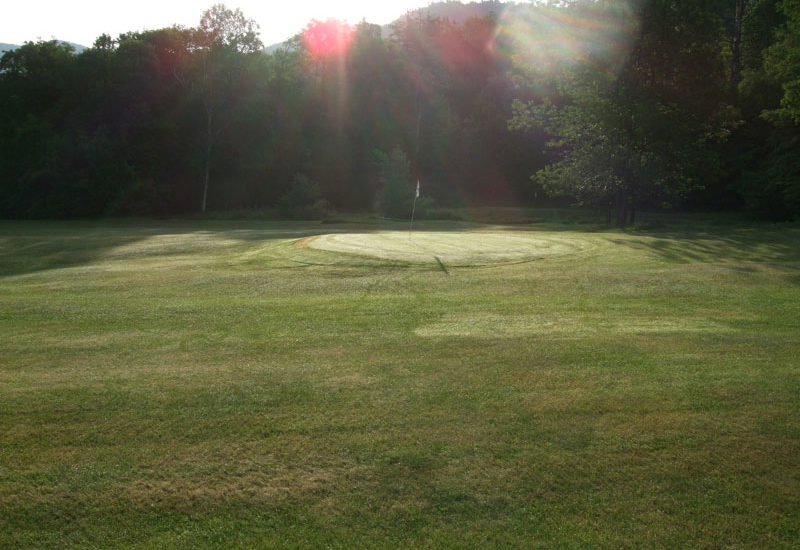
[(624, 106)]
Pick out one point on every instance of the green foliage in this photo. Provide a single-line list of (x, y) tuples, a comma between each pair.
[(764, 160), (395, 183), (782, 62), (228, 28), (769, 172), (639, 136), (625, 104), (303, 200)]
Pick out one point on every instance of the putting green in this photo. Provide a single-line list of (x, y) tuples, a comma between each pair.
[(453, 248)]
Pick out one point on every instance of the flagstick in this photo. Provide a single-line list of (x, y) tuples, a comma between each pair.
[(413, 209), (411, 227)]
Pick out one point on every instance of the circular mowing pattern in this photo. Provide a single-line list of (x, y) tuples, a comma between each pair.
[(452, 248)]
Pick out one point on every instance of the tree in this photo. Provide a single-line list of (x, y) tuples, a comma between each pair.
[(222, 27), (736, 43), (35, 84), (639, 136), (782, 62), (763, 162), (221, 39)]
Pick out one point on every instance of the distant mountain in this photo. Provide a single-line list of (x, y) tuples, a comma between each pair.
[(274, 47), (78, 47), (9, 47), (457, 12)]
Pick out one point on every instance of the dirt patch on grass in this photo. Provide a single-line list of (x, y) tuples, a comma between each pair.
[(305, 241), (214, 489), (494, 326), (180, 491), (244, 472)]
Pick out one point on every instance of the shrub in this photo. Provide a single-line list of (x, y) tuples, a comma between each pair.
[(303, 200)]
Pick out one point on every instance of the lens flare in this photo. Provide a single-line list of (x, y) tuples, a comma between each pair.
[(547, 40), (328, 38)]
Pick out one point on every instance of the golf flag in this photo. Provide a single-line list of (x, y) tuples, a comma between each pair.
[(413, 208)]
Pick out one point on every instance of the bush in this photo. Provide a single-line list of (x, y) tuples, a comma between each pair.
[(303, 200)]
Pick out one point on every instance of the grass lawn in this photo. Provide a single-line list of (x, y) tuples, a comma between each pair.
[(190, 384)]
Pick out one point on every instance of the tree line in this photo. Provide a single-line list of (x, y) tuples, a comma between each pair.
[(619, 105)]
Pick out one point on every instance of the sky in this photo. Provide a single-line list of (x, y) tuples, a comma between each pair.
[(82, 21)]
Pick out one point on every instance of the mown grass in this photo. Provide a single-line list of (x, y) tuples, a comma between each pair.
[(227, 384)]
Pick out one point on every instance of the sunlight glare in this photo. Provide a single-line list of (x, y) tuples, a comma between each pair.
[(328, 38), (551, 40)]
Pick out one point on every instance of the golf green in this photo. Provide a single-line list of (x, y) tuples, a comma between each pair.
[(464, 248)]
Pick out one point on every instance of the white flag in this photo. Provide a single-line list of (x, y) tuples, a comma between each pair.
[(417, 195)]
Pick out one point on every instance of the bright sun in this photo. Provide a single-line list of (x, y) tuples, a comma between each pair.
[(326, 38)]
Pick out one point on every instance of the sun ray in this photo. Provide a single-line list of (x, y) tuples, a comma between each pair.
[(547, 40)]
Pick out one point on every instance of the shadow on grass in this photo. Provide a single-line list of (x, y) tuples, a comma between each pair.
[(742, 245), (27, 247), (30, 247), (680, 239)]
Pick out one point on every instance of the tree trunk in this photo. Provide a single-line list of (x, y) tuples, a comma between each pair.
[(620, 201), (624, 208), (736, 46), (205, 182), (209, 149)]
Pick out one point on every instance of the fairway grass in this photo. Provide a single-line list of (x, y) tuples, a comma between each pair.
[(251, 384)]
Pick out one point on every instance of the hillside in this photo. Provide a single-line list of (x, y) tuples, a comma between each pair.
[(4, 47), (460, 12), (454, 11)]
